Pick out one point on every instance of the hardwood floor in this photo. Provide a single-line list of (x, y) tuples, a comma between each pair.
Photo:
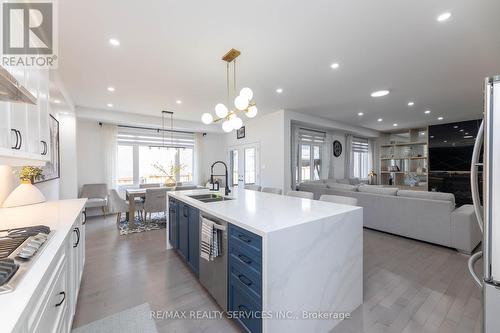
[(409, 286)]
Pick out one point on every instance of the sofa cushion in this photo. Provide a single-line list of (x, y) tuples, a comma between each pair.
[(313, 182), (343, 181), (379, 190), (342, 187), (427, 195)]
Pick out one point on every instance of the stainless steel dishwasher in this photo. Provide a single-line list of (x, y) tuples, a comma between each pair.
[(213, 273)]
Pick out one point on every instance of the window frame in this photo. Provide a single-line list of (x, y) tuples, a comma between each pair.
[(311, 146), (136, 164)]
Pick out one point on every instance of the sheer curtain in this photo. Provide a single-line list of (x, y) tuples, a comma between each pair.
[(328, 157), (348, 166), (109, 135)]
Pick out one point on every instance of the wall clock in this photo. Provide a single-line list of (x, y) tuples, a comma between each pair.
[(337, 148)]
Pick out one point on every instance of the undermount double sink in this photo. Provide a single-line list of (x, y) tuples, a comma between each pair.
[(209, 197)]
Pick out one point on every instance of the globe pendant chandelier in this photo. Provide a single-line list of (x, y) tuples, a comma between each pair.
[(243, 103)]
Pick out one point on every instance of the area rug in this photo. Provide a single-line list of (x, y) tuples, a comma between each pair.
[(157, 221), (134, 320)]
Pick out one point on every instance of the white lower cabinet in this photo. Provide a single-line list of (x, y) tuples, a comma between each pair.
[(52, 308)]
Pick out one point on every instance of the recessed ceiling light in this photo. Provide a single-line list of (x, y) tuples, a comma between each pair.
[(335, 65), (395, 125), (455, 126), (360, 114), (110, 105), (380, 93), (57, 101), (468, 137), (427, 111), (178, 101), (114, 42), (279, 90), (444, 17), (440, 118), (432, 136), (411, 103), (466, 133), (461, 130), (111, 89), (445, 141), (380, 119)]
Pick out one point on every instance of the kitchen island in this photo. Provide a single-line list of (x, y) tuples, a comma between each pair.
[(293, 265)]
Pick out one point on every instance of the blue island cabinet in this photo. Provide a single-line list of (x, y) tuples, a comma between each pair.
[(184, 233), (245, 278)]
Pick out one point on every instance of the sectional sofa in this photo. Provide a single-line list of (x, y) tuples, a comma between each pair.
[(427, 216)]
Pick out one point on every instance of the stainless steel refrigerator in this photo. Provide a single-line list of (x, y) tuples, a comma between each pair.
[(488, 212)]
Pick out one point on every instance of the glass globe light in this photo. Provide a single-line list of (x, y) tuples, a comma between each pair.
[(227, 126), (207, 118), (237, 123), (221, 110), (241, 103), (252, 111), (247, 93)]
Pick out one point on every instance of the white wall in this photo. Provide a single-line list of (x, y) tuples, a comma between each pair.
[(211, 148), (269, 132), (90, 152), (68, 184)]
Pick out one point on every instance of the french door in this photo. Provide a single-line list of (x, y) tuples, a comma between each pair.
[(244, 165)]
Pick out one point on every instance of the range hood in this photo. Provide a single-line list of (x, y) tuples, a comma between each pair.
[(12, 91)]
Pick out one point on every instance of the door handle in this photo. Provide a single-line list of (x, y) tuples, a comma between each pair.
[(246, 281), (473, 176), (244, 238), (16, 146), (44, 144), (245, 259), (472, 260), (20, 139), (62, 301), (77, 231)]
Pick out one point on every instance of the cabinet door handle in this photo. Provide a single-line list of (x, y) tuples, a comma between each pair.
[(245, 259), (77, 230), (44, 144), (17, 139), (245, 280), (243, 308), (62, 301), (20, 139), (244, 238)]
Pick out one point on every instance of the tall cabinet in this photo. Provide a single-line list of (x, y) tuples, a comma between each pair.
[(24, 128), (404, 159)]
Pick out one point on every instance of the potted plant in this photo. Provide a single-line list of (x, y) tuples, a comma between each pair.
[(170, 173), (28, 174), (26, 193)]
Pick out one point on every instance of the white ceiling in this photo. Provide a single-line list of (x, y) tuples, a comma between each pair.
[(171, 50)]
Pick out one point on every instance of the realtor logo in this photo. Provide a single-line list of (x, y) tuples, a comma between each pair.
[(28, 34)]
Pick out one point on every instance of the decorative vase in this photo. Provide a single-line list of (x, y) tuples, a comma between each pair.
[(170, 181), (25, 194)]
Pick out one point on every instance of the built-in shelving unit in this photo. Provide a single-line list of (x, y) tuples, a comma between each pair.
[(403, 158)]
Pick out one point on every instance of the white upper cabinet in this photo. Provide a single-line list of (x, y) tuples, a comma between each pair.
[(24, 128)]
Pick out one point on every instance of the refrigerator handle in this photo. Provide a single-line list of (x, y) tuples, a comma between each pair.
[(473, 176)]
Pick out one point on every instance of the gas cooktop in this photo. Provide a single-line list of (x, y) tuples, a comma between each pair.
[(19, 249)]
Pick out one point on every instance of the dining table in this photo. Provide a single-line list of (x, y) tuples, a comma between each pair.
[(132, 193)]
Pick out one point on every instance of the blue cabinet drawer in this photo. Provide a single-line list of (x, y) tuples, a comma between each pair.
[(245, 310), (247, 240), (249, 259), (247, 279)]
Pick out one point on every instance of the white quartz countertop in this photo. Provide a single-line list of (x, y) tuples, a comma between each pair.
[(263, 213), (59, 216)]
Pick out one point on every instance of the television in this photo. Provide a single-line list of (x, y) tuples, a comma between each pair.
[(451, 146)]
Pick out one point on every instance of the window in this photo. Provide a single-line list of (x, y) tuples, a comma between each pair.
[(150, 156), (310, 152), (250, 165), (234, 167), (125, 165), (360, 158)]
